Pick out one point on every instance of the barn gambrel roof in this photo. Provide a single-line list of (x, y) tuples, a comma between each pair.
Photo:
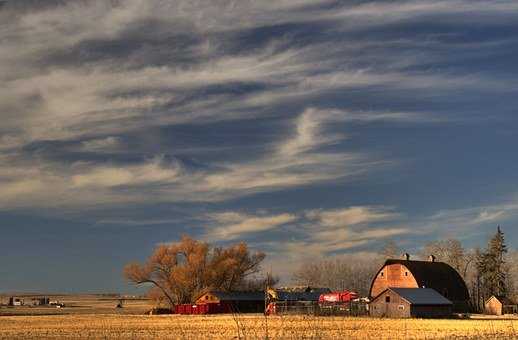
[(436, 275)]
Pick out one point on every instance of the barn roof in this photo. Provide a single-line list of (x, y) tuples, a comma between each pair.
[(421, 296), (437, 275), (238, 296), (298, 296), (504, 300), (298, 293)]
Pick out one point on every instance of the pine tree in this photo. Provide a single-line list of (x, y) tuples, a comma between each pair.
[(479, 263), (491, 266)]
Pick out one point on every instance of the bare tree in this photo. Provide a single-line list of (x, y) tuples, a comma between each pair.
[(512, 270), (451, 252), (183, 270), (390, 250), (352, 272), (156, 295)]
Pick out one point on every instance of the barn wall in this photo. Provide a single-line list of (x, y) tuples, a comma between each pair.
[(442, 311), (396, 308), (393, 275), (493, 307), (248, 306)]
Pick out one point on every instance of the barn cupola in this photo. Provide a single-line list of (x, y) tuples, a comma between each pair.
[(406, 256), (431, 258)]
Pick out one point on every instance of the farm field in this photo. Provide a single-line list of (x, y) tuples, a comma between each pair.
[(81, 304), (106, 326)]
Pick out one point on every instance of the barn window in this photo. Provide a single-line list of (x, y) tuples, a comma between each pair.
[(387, 298), (406, 273), (206, 297), (381, 274), (401, 307)]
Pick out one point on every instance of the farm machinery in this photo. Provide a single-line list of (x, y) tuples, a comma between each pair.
[(343, 302), (315, 302)]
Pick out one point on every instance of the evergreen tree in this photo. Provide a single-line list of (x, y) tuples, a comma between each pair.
[(491, 266), (477, 293)]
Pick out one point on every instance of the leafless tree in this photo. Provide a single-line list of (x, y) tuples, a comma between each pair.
[(182, 271), (391, 250), (451, 252), (352, 272)]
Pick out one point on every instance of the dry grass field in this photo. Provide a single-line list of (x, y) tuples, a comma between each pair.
[(80, 304), (106, 326)]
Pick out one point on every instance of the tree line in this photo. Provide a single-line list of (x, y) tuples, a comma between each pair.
[(179, 272)]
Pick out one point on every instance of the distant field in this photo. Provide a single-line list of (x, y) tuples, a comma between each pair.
[(81, 304), (105, 326)]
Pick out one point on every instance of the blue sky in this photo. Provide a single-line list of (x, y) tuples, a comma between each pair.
[(305, 128)]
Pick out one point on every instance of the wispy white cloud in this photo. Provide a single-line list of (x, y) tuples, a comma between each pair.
[(315, 233), (58, 85), (101, 145), (82, 99), (352, 216), (109, 176), (233, 225), (341, 229), (171, 182), (319, 233), (456, 221)]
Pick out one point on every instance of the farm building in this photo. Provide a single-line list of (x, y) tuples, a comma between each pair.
[(242, 302), (40, 301), (406, 273), (16, 301), (499, 305), (410, 302), (294, 300)]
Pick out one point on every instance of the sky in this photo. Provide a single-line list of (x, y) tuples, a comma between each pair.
[(305, 128)]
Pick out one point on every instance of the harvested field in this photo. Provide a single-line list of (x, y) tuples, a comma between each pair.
[(106, 326), (81, 304)]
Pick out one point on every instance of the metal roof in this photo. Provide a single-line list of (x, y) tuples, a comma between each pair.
[(421, 296), (298, 296), (238, 296), (437, 275)]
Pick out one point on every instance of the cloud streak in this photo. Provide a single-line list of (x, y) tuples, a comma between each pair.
[(295, 161), (321, 231), (235, 225), (99, 75)]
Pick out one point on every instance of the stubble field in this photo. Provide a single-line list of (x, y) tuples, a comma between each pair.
[(111, 326)]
